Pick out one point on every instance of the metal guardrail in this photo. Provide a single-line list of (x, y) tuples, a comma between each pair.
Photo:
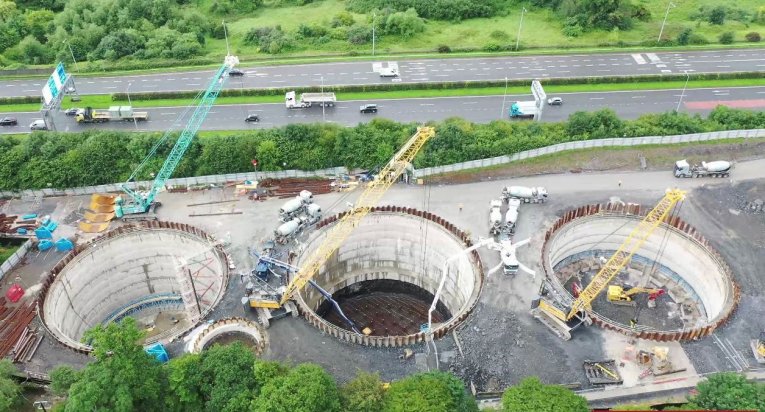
[(588, 144)]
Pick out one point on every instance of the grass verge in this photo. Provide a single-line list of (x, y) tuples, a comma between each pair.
[(625, 158), (104, 101), (6, 252)]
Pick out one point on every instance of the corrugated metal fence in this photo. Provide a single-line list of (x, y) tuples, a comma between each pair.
[(587, 144), (15, 258), (183, 181)]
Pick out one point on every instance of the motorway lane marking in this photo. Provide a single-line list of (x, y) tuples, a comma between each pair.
[(661, 65), (723, 67), (193, 84), (638, 97), (597, 98), (110, 87), (666, 71), (27, 91), (653, 57), (604, 70)]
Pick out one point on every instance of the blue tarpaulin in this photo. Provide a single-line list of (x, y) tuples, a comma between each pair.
[(158, 351)]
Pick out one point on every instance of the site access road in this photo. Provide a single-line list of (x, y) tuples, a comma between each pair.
[(422, 71)]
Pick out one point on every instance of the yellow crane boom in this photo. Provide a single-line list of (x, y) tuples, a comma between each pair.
[(613, 266), (368, 199)]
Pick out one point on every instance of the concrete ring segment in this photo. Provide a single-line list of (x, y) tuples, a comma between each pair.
[(402, 245), (228, 326), (136, 270), (701, 293)]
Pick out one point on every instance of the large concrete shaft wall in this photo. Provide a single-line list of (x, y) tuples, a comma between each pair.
[(115, 271), (399, 246), (684, 251)]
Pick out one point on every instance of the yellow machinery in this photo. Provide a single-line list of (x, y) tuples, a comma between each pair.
[(386, 177), (618, 296), (758, 348), (563, 321)]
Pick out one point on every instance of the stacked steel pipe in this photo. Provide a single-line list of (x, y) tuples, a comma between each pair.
[(14, 324)]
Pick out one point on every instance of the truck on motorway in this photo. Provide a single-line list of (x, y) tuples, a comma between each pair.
[(115, 113), (308, 100), (523, 110), (719, 168)]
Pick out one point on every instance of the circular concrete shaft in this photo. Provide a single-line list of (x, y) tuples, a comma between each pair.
[(137, 271), (700, 288), (396, 245), (239, 327)]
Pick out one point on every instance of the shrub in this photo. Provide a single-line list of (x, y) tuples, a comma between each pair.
[(684, 37), (572, 30), (444, 49), (753, 37), (342, 19), (697, 39), (405, 24), (359, 34), (717, 16), (726, 38), (492, 47)]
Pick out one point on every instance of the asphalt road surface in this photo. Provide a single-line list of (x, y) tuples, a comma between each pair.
[(628, 105), (421, 71)]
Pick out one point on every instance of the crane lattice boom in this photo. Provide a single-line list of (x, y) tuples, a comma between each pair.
[(629, 247), (142, 202), (368, 199)]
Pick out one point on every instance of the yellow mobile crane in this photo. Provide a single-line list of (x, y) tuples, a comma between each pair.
[(563, 320), (375, 189)]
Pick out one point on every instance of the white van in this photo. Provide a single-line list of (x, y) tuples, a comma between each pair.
[(38, 125)]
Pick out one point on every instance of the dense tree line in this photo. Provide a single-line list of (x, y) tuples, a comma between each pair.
[(102, 29), (63, 160), (453, 10), (123, 377), (230, 379)]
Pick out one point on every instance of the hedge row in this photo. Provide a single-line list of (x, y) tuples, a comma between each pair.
[(278, 91), (62, 160)]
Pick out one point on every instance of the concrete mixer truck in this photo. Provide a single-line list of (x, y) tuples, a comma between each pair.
[(286, 231), (495, 217), (511, 216), (525, 194), (719, 168)]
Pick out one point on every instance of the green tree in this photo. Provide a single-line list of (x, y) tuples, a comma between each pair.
[(532, 395), (33, 52), (684, 37), (39, 23), (729, 390), (405, 24), (717, 15), (122, 378), (10, 391), (364, 393), (305, 388), (429, 392), (62, 378)]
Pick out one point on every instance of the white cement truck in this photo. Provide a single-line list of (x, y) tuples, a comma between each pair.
[(511, 216), (495, 217), (288, 230), (719, 168), (526, 194), (314, 212)]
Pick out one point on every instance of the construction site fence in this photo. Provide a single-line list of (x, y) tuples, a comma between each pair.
[(15, 258), (589, 144), (187, 182)]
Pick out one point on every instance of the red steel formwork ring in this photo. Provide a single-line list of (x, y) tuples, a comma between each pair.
[(675, 222), (399, 340), (134, 227)]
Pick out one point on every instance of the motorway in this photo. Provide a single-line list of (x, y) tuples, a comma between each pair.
[(423, 71), (481, 109)]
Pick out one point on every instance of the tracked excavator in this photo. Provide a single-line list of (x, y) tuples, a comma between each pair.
[(619, 296), (562, 314)]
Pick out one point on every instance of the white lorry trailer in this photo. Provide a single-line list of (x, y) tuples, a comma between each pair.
[(523, 110), (115, 113), (719, 168), (525, 194), (309, 99)]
